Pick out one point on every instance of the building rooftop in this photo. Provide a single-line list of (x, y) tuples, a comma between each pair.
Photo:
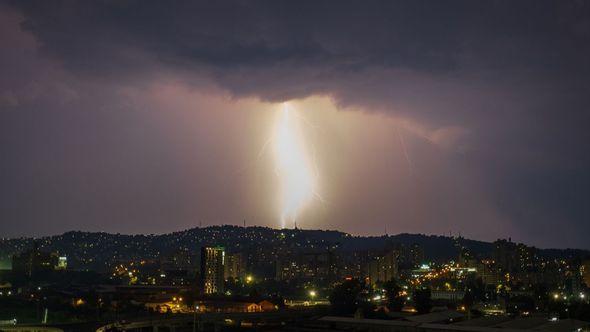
[(484, 324), (535, 323), (436, 317)]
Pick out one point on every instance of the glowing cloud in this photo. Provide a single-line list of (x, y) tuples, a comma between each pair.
[(293, 167)]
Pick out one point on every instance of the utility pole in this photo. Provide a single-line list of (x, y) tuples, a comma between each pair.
[(195, 318)]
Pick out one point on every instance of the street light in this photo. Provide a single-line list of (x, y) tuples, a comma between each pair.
[(312, 294)]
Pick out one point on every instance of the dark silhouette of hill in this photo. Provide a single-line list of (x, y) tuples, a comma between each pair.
[(97, 250)]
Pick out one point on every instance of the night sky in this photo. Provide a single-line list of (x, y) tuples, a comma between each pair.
[(431, 117)]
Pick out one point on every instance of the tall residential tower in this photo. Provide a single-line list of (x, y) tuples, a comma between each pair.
[(212, 268)]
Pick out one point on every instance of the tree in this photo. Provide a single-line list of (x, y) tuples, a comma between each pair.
[(468, 301), (520, 303), (422, 300), (582, 312), (476, 288), (395, 302), (344, 297)]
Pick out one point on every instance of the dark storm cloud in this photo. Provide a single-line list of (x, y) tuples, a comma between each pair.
[(514, 75), (341, 35), (386, 54)]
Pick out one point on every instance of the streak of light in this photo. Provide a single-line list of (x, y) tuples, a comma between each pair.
[(296, 172)]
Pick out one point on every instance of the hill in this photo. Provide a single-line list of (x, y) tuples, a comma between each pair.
[(98, 250)]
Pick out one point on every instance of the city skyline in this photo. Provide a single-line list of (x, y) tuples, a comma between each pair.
[(295, 165), (415, 117)]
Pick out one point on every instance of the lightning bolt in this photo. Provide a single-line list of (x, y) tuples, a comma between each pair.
[(296, 171)]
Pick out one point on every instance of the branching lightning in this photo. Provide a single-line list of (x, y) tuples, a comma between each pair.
[(402, 142)]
